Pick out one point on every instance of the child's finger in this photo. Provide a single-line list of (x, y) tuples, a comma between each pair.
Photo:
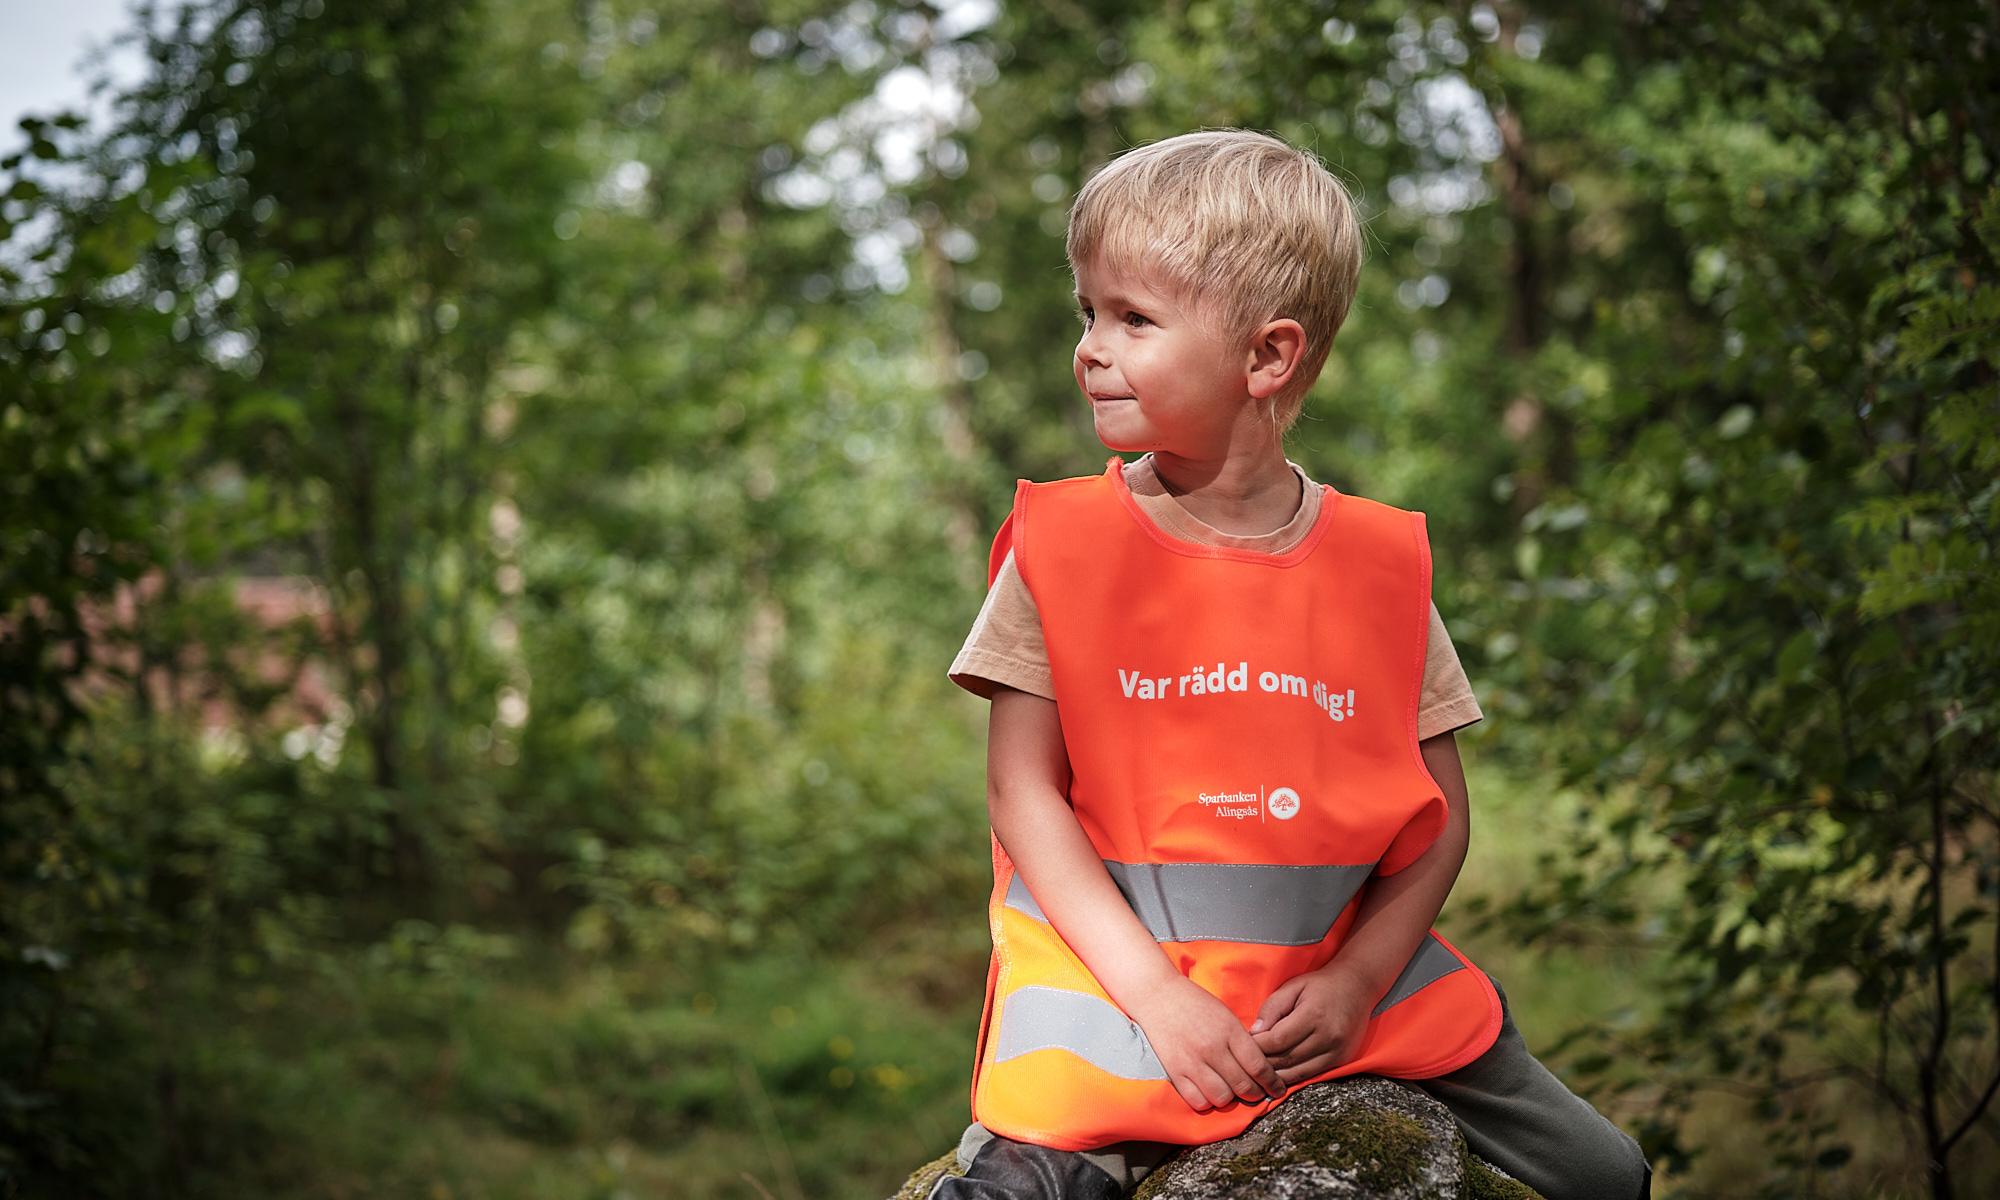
[(1283, 1035), (1314, 1061), (1276, 1044), (1314, 1055), (1270, 1043), (1228, 1074), (1308, 1050), (1287, 1043), (1217, 1089), (1295, 1075), (1279, 1003), (1191, 1094), (1195, 1079), (1263, 1075)]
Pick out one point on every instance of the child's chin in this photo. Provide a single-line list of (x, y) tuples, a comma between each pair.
[(1116, 436)]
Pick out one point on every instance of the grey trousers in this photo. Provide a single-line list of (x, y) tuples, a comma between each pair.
[(1515, 1114)]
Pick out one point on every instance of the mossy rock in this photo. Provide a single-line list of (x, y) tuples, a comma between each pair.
[(921, 1180), (1364, 1138)]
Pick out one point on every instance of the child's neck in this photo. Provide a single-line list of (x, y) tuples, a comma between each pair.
[(1241, 494)]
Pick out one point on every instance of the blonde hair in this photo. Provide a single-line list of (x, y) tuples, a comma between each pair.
[(1237, 220)]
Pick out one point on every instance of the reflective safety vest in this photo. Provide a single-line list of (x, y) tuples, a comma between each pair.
[(1242, 732)]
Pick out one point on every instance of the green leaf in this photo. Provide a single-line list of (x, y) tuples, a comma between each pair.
[(1796, 655)]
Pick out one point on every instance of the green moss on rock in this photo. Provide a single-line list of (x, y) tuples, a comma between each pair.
[(1149, 1187), (1484, 1183), (1362, 1137), (921, 1180), (1382, 1150)]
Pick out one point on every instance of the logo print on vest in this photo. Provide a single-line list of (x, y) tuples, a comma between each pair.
[(1283, 804)]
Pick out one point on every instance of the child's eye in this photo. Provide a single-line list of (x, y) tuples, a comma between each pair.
[(1135, 320), (1086, 316)]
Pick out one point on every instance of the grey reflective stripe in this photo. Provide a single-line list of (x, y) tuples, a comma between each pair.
[(1045, 1018), (1019, 900), (1429, 964), (1234, 902)]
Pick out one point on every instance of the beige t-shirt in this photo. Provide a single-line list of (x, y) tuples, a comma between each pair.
[(1006, 648)]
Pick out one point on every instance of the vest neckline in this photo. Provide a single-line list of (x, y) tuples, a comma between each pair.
[(1114, 471)]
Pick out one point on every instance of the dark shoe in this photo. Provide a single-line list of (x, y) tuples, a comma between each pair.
[(1010, 1170)]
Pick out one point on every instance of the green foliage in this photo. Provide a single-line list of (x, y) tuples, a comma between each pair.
[(427, 507), (490, 489), (1763, 592)]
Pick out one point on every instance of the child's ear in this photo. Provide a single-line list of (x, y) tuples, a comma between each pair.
[(1276, 350)]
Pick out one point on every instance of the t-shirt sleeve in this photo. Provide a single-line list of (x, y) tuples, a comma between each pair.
[(1446, 702), (1006, 647)]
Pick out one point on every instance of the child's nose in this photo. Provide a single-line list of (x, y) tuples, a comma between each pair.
[(1090, 349)]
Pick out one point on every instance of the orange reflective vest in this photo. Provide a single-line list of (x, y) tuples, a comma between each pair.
[(1242, 731)]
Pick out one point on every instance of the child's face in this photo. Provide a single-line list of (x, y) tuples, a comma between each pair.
[(1158, 375)]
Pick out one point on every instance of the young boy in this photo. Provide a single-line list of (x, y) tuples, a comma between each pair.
[(1225, 798)]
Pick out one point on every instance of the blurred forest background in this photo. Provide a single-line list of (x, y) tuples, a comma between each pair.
[(489, 489)]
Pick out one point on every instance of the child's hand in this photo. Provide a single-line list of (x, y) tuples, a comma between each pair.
[(1209, 1056), (1311, 1024)]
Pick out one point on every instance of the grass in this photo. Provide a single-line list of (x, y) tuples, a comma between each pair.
[(549, 1076), (453, 1065)]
